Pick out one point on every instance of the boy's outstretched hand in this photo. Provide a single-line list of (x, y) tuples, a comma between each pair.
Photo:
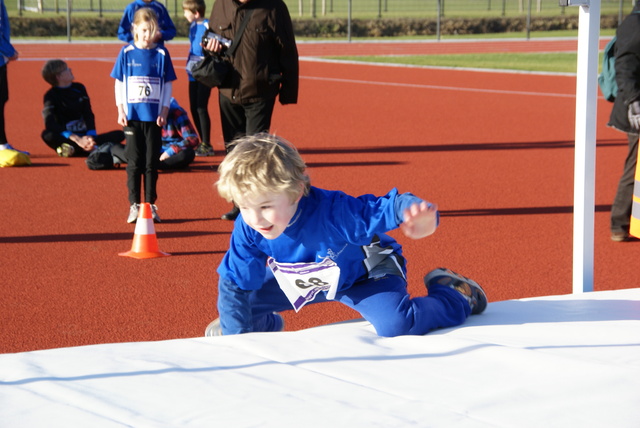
[(420, 220)]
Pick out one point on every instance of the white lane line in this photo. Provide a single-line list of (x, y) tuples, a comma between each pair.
[(438, 87)]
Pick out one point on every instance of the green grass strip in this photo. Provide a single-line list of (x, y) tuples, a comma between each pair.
[(544, 62)]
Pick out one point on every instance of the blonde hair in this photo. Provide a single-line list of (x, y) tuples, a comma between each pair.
[(145, 14), (262, 163)]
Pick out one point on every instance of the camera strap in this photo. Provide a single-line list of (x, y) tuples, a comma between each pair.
[(238, 35)]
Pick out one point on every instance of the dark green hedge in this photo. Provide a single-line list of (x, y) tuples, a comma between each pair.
[(319, 28)]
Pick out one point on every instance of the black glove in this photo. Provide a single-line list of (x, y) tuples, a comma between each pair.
[(634, 115)]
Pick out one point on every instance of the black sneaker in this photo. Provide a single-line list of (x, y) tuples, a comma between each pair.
[(231, 215), (204, 149), (469, 289)]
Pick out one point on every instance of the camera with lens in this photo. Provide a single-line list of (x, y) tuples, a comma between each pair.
[(226, 43)]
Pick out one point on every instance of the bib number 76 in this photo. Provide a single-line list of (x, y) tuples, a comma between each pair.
[(145, 90)]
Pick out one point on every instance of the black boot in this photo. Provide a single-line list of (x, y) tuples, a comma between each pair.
[(231, 215)]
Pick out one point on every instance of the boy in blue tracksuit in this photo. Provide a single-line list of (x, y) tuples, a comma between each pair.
[(320, 245), (166, 28)]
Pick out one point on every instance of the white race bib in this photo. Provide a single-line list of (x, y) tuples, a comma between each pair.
[(143, 89), (301, 282)]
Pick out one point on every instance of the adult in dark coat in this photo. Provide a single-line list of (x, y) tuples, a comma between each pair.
[(625, 117), (265, 66)]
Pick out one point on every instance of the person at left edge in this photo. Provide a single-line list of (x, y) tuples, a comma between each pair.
[(7, 54)]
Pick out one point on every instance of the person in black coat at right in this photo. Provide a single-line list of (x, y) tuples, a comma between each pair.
[(625, 117)]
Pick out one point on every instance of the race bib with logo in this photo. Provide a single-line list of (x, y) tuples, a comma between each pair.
[(301, 282)]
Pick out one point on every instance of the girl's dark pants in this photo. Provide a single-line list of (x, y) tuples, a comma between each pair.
[(144, 144)]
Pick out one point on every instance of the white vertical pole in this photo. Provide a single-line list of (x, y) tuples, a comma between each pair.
[(585, 146)]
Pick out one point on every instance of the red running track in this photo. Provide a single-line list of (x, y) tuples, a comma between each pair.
[(494, 150)]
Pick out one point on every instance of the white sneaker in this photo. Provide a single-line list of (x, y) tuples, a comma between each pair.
[(133, 213), (214, 328), (65, 150)]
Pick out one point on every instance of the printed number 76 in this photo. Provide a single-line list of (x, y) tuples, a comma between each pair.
[(145, 90)]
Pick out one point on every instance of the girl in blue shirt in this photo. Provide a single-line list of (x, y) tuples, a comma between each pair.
[(143, 73)]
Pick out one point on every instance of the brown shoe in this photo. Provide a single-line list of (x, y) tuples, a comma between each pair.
[(470, 290)]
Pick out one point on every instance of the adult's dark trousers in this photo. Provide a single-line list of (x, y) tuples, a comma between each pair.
[(55, 140), (199, 105), (144, 144), (239, 120), (4, 97), (623, 201)]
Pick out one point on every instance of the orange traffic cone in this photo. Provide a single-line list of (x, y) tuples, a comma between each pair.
[(145, 244)]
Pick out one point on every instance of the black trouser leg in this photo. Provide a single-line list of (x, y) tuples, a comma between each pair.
[(244, 119), (199, 95), (622, 203)]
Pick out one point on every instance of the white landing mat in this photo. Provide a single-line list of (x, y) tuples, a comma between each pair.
[(558, 361)]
